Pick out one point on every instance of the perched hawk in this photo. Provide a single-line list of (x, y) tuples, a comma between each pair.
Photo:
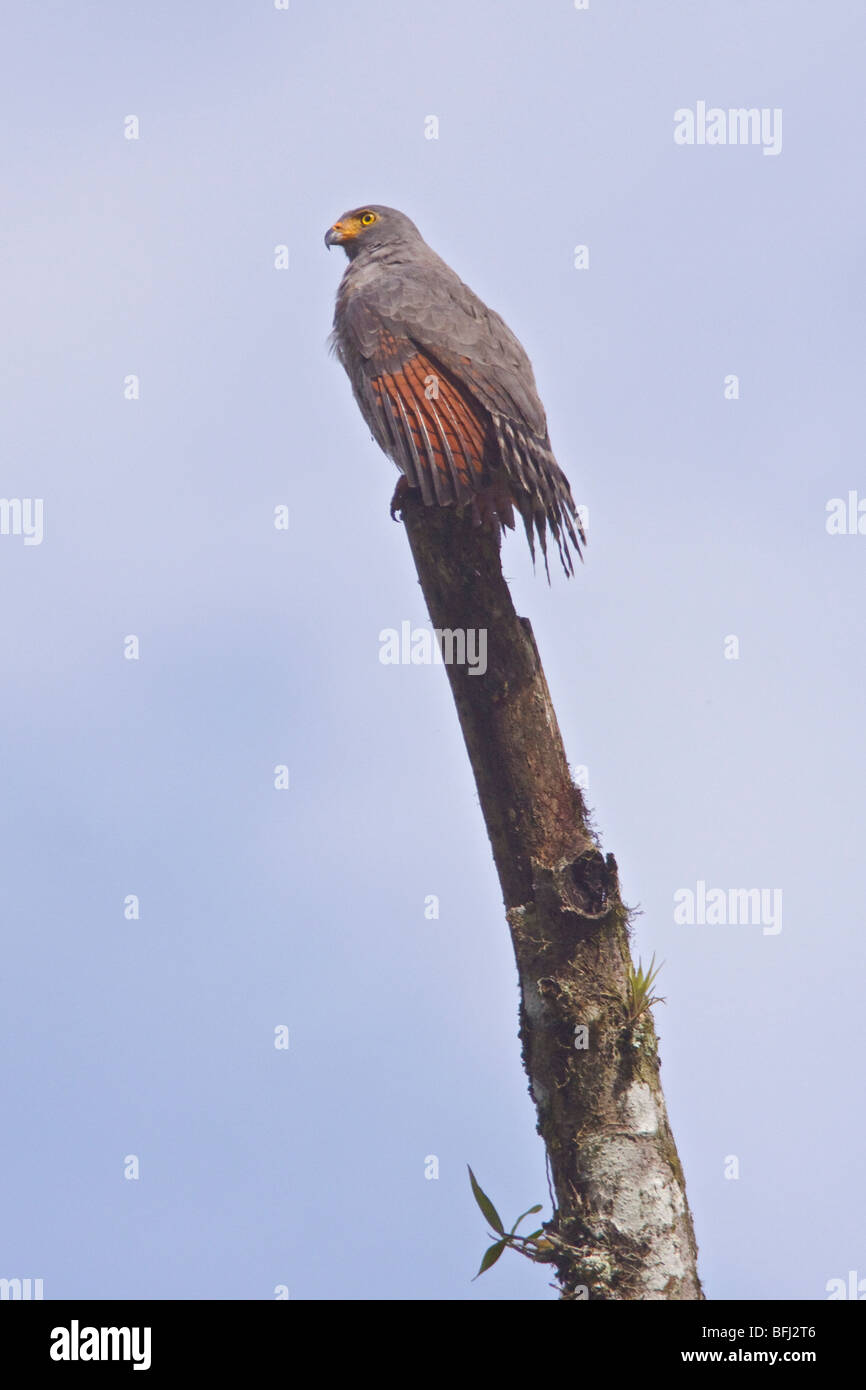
[(444, 385)]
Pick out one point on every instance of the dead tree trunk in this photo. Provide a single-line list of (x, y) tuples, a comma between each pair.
[(622, 1227)]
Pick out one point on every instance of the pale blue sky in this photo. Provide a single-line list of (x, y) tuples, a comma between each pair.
[(306, 908)]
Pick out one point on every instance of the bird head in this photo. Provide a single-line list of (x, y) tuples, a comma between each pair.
[(368, 228)]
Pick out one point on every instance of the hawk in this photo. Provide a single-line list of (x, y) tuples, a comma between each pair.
[(445, 387)]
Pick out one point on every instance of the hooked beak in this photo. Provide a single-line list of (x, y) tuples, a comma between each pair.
[(334, 236)]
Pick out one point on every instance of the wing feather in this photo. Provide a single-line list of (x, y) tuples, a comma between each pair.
[(483, 425)]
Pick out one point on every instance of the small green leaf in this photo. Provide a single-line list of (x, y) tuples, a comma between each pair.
[(539, 1232), (640, 983), (530, 1212), (488, 1209), (491, 1255)]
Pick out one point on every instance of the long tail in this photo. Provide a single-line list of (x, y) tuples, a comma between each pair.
[(541, 493)]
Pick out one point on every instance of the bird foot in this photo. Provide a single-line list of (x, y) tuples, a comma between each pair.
[(399, 497), (492, 508)]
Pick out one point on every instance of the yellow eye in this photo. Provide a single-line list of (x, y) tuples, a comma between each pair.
[(368, 218)]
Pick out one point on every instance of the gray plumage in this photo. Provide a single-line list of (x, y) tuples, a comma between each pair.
[(444, 385)]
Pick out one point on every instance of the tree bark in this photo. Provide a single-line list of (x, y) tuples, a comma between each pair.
[(622, 1228)]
